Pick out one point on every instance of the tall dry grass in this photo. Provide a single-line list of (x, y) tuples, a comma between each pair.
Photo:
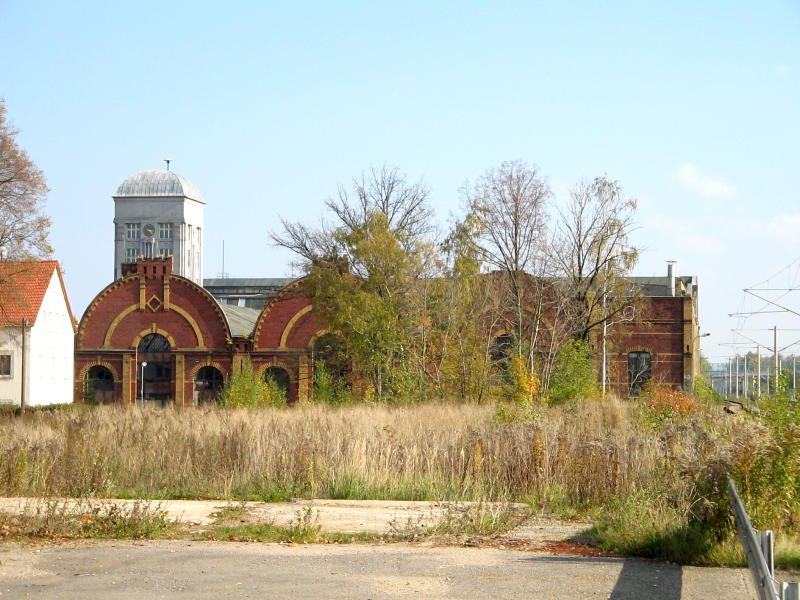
[(584, 455)]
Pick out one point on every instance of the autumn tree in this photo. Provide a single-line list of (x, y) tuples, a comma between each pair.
[(365, 265), (384, 190), (24, 229), (509, 207), (593, 254)]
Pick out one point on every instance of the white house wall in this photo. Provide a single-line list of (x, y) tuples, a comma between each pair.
[(10, 387), (52, 350)]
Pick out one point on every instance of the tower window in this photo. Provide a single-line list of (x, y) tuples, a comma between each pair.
[(165, 231), (130, 254), (131, 231)]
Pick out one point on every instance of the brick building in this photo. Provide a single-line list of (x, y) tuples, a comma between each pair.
[(661, 342), (154, 336)]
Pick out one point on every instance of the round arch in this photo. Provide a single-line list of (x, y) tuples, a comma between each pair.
[(280, 377), (98, 385), (209, 382)]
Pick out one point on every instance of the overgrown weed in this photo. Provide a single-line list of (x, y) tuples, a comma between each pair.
[(650, 472), (84, 518)]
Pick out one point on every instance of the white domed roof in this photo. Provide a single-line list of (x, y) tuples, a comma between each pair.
[(147, 184)]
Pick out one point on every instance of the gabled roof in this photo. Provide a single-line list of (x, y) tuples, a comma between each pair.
[(241, 320), (22, 288)]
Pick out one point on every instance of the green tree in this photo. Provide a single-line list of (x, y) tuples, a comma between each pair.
[(365, 271), (575, 375), (372, 312)]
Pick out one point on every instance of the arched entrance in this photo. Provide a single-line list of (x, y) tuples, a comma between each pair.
[(280, 377), (208, 384), (98, 386), (156, 384)]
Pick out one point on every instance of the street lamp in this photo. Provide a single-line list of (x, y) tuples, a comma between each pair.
[(141, 393), (695, 358)]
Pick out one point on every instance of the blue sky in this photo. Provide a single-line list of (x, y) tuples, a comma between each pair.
[(266, 107)]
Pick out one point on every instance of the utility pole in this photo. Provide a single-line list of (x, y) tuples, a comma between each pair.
[(777, 365), (730, 376), (758, 371), (745, 376), (23, 368)]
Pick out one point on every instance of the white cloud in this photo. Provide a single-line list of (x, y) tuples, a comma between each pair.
[(678, 235), (692, 178)]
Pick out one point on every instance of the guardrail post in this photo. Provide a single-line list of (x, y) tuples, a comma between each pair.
[(790, 591), (767, 549)]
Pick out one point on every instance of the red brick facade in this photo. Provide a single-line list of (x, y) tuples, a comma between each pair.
[(666, 328), (182, 334), (149, 299)]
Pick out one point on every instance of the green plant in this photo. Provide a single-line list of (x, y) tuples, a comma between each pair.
[(84, 518), (329, 388), (574, 375), (246, 389)]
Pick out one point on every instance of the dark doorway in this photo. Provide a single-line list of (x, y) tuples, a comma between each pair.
[(99, 386), (208, 384), (156, 383), (280, 377)]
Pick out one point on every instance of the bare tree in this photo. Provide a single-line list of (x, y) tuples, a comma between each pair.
[(385, 191), (24, 229), (593, 254), (509, 204)]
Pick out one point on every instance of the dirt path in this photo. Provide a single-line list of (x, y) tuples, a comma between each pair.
[(340, 516)]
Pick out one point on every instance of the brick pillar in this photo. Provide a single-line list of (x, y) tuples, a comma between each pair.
[(180, 379), (303, 379), (128, 366)]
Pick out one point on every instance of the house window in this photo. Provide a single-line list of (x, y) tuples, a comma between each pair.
[(165, 231), (132, 231), (5, 365), (130, 254), (638, 371)]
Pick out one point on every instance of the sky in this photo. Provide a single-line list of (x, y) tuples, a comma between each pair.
[(694, 107)]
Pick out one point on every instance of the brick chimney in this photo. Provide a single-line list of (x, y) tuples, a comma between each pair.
[(671, 277)]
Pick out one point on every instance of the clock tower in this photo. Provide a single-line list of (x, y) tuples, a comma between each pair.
[(159, 213)]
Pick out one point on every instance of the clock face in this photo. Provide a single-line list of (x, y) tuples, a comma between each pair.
[(149, 230)]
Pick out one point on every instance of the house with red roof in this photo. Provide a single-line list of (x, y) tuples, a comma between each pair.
[(37, 334)]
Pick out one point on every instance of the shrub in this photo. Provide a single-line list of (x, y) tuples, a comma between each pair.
[(246, 389), (662, 402), (575, 375)]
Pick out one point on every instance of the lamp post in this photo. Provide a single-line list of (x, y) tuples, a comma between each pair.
[(696, 359), (141, 393)]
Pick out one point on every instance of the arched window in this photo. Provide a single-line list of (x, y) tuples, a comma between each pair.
[(99, 385), (154, 342), (208, 384), (639, 371)]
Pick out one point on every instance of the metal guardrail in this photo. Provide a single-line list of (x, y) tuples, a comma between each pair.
[(759, 547)]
